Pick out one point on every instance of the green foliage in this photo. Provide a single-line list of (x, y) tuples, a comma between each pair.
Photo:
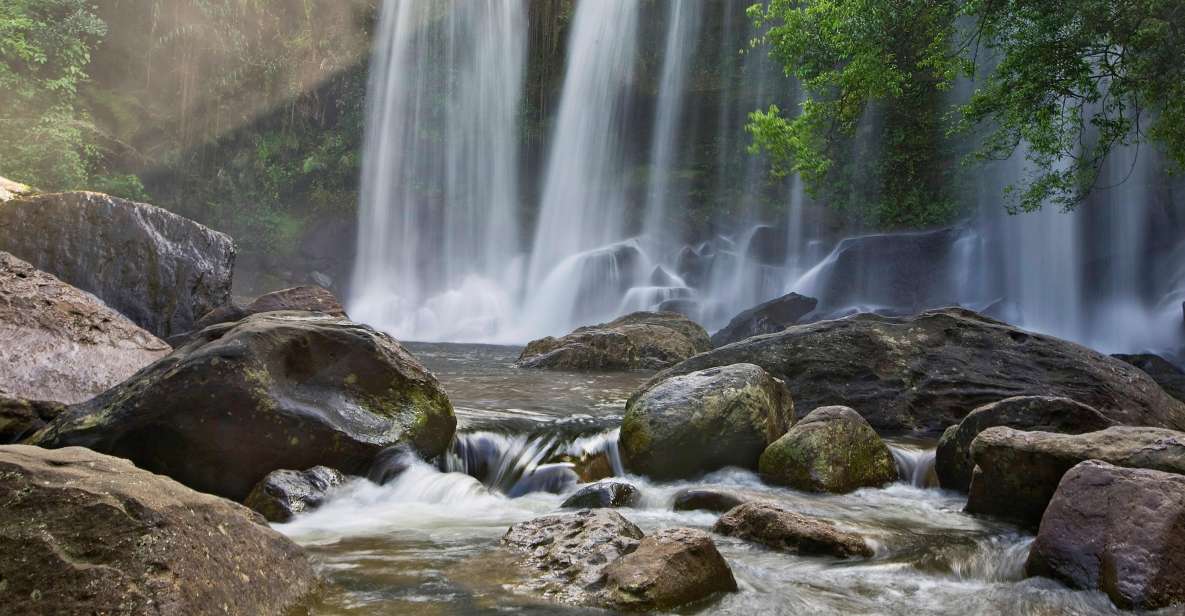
[(45, 47)]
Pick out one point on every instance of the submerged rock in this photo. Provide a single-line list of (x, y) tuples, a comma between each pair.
[(284, 493), (1118, 530), (276, 390), (703, 421), (638, 340), (85, 533), (1168, 376), (603, 494), (707, 499), (598, 558), (1031, 413), (768, 318), (158, 269), (786, 531), (21, 418), (923, 373), (832, 449), (1017, 473), (60, 343)]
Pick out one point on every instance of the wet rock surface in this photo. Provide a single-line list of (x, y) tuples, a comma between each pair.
[(923, 373), (639, 340), (1018, 472), (702, 499), (301, 299), (670, 568), (283, 494), (767, 318), (160, 270), (21, 418), (62, 344), (85, 533), (699, 422), (787, 531), (1031, 413), (1118, 530), (603, 494), (832, 449), (278, 390)]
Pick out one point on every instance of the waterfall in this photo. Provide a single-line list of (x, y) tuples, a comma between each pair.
[(439, 215)]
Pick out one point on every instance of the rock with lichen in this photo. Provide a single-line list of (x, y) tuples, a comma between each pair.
[(832, 449)]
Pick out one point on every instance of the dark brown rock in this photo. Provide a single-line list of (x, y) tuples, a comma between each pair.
[(833, 450), (1167, 375), (1118, 530), (62, 344), (21, 418), (277, 390), (283, 494), (1032, 413), (1017, 472), (923, 373), (786, 531), (638, 340), (767, 318), (84, 533), (672, 567), (603, 494), (707, 499)]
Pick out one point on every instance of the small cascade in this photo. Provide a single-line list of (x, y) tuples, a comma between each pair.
[(520, 464), (915, 466)]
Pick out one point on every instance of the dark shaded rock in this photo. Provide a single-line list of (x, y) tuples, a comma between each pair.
[(686, 307), (672, 567), (926, 372), (283, 494), (85, 533), (1032, 413), (706, 499), (832, 449), (692, 266), (770, 317), (1118, 530), (158, 269), (603, 494), (302, 299), (21, 418), (1016, 473), (703, 421), (62, 344), (276, 390), (767, 245), (1168, 376), (638, 340), (786, 531)]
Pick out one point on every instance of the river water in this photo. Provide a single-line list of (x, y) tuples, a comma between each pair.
[(426, 543)]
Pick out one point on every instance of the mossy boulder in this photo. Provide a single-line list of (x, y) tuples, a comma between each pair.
[(639, 340), (832, 449), (278, 390), (700, 422)]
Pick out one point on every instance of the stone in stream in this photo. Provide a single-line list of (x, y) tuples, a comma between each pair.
[(603, 494), (22, 418), (1118, 530), (85, 533), (786, 531), (1031, 413), (707, 499), (160, 270), (278, 390), (638, 340), (923, 373), (62, 344), (283, 494), (767, 318), (1168, 376), (303, 299), (704, 421), (1016, 472), (832, 449), (597, 558)]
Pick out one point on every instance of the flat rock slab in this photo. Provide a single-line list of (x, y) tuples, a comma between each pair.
[(787, 531)]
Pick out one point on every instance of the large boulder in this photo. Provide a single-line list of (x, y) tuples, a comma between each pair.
[(1167, 375), (85, 533), (832, 449), (637, 340), (302, 299), (1016, 472), (278, 390), (786, 531), (61, 344), (598, 558), (767, 318), (1033, 413), (923, 373), (700, 422), (283, 494), (160, 270), (22, 418), (1118, 530)]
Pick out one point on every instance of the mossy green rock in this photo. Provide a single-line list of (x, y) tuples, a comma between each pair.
[(833, 449), (278, 390), (700, 422)]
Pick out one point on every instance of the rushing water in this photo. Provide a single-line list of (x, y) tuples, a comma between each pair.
[(426, 542)]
